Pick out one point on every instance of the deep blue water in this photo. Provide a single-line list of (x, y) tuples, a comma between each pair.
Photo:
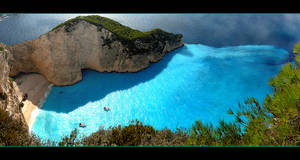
[(199, 81)]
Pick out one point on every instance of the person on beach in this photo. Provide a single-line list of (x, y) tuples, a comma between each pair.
[(25, 96)]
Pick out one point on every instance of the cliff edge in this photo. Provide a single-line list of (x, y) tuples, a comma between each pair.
[(90, 42)]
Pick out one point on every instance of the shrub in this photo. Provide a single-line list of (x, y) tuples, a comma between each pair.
[(11, 79), (100, 138), (14, 133), (135, 134), (130, 135), (70, 140)]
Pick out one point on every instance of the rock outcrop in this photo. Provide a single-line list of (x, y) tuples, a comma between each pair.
[(8, 98), (62, 53)]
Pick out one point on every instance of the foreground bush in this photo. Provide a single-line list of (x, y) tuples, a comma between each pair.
[(13, 133), (135, 134)]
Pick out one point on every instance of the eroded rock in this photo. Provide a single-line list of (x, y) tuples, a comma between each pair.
[(11, 102), (61, 54)]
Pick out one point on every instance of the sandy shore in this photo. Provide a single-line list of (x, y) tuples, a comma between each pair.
[(37, 87)]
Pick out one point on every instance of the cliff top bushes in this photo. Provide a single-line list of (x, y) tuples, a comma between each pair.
[(113, 26), (135, 134)]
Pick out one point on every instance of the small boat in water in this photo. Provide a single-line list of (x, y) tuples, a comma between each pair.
[(82, 125), (106, 109)]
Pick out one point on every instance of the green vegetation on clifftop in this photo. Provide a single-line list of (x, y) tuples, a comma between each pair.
[(113, 26)]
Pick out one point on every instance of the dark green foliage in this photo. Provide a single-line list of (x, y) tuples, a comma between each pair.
[(113, 26), (11, 79), (70, 140), (107, 23), (135, 134), (131, 135), (227, 134), (284, 104), (202, 134), (100, 138), (13, 133), (253, 117), (1, 49)]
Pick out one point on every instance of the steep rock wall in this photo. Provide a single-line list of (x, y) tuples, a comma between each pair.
[(60, 55), (9, 100)]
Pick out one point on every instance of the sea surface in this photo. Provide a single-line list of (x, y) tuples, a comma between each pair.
[(226, 58), (195, 82)]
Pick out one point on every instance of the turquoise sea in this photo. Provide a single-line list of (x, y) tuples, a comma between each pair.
[(195, 82)]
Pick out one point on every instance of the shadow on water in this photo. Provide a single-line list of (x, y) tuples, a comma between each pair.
[(96, 86), (184, 51)]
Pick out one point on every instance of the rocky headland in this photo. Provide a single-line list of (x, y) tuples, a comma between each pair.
[(90, 42)]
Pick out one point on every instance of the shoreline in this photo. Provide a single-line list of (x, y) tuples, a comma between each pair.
[(37, 87), (35, 112)]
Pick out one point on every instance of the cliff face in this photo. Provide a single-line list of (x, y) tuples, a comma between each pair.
[(8, 98), (61, 54)]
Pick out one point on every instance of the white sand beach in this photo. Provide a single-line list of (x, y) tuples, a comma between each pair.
[(37, 87)]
